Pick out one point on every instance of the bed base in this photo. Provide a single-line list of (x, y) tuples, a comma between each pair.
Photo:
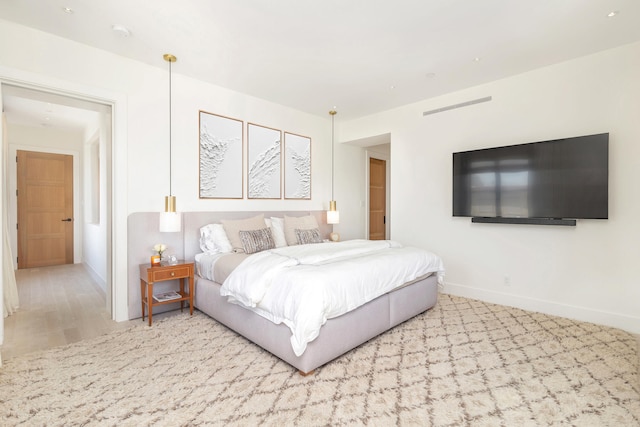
[(337, 336)]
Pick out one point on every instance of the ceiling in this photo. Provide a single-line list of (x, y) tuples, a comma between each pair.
[(359, 56), (33, 108)]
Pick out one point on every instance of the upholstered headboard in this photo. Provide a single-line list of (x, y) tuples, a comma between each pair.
[(143, 234)]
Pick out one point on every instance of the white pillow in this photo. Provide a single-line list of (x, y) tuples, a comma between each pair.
[(301, 223), (213, 239), (277, 229)]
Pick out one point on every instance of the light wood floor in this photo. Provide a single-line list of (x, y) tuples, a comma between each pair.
[(58, 305)]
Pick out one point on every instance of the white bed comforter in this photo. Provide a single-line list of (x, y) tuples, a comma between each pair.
[(303, 286)]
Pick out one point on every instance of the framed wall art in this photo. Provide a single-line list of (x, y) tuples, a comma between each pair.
[(297, 166), (221, 166), (263, 162)]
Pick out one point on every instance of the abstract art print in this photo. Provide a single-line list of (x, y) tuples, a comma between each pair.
[(263, 160), (221, 167), (297, 166)]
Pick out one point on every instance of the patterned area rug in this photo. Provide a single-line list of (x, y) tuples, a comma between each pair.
[(464, 362)]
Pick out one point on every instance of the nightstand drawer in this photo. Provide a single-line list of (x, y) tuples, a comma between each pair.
[(174, 273)]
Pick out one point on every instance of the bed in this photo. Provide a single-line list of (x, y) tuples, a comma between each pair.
[(245, 291), (336, 337)]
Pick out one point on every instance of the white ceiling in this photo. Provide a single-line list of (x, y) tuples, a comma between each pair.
[(360, 56), (28, 107)]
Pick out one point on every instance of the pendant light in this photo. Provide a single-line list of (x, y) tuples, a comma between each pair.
[(170, 220), (333, 215)]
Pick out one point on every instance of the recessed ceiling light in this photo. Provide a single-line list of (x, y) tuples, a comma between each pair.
[(67, 10), (121, 30), (612, 13), (477, 59), (392, 87)]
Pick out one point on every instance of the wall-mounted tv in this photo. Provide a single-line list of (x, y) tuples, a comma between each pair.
[(549, 180)]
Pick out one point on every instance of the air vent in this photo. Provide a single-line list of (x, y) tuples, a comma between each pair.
[(454, 106)]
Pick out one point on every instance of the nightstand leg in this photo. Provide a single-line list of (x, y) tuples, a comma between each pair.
[(149, 302), (142, 283), (191, 294), (181, 290)]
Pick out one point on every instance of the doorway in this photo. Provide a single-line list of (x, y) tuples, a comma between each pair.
[(377, 198), (77, 134), (45, 209), (378, 191)]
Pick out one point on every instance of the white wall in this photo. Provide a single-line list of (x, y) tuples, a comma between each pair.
[(140, 142), (95, 227), (350, 190), (586, 272)]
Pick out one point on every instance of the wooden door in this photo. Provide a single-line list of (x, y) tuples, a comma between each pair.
[(377, 198), (45, 209)]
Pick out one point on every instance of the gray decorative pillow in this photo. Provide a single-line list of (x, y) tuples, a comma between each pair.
[(256, 240), (311, 235)]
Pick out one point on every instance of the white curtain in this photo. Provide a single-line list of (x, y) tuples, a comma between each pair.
[(9, 278), (10, 288)]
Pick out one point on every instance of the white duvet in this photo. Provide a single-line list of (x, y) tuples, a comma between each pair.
[(303, 286)]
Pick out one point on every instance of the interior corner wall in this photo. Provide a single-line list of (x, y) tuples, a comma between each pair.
[(587, 272), (95, 245), (350, 190), (351, 184)]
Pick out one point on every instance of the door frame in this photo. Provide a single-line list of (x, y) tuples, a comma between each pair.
[(117, 176), (369, 154), (12, 208)]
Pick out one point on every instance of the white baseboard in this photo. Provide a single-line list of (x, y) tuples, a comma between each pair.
[(100, 283), (621, 321)]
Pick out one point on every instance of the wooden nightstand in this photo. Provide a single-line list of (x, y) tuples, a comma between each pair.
[(150, 275)]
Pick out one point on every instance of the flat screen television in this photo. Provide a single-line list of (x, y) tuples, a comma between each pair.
[(557, 179)]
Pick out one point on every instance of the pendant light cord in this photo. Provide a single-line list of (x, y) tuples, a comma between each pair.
[(170, 194), (333, 115), (332, 159)]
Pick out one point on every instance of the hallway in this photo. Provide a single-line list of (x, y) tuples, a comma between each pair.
[(58, 305)]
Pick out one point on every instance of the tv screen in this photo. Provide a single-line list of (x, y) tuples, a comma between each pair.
[(562, 178)]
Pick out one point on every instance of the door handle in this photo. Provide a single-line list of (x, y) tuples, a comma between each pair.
[(67, 220)]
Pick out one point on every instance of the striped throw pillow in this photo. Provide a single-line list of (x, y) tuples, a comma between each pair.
[(256, 240), (311, 235)]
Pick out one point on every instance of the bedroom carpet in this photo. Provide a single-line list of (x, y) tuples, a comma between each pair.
[(464, 362)]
